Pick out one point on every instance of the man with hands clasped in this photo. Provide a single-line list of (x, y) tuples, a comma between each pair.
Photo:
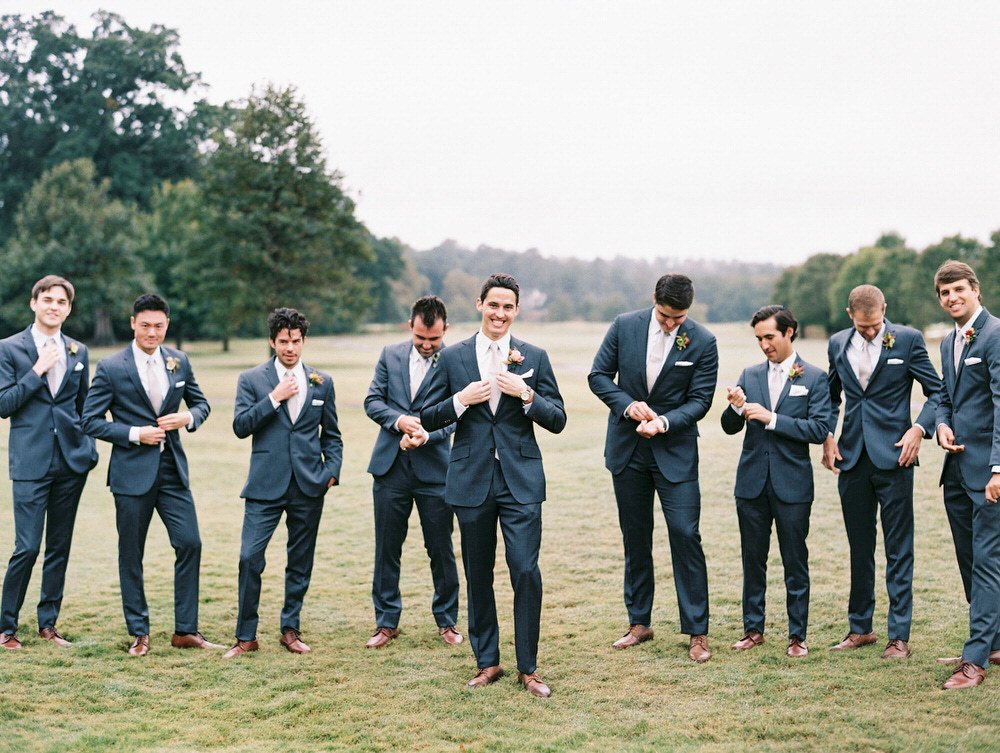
[(784, 404)]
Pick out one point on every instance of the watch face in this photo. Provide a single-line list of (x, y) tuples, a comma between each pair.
[(525, 395)]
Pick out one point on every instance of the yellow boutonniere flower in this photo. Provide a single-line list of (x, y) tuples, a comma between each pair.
[(796, 371), (315, 378), (172, 364), (73, 348)]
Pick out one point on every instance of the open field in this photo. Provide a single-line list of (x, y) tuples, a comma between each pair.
[(411, 695)]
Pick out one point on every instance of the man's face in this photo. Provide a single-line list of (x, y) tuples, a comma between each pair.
[(776, 345), (868, 323), (499, 309), (150, 327), (667, 317), (427, 340), (51, 307), (287, 346), (960, 299)]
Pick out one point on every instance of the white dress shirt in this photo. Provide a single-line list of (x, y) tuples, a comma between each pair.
[(483, 361), (40, 340), (142, 360), (299, 372), (420, 367), (658, 345), (782, 368), (860, 347)]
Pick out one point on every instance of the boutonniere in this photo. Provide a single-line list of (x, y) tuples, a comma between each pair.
[(888, 340), (434, 360), (514, 359), (795, 372), (172, 364), (682, 340), (315, 378), (73, 348), (970, 335)]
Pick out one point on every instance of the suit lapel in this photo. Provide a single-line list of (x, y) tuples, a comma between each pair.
[(468, 354), (787, 386), (71, 362), (28, 343), (845, 362), (133, 373), (763, 386), (671, 356), (976, 326), (403, 369), (271, 379), (640, 336), (310, 388), (883, 353)]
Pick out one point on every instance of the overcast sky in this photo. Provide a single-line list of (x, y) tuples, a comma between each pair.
[(750, 130)]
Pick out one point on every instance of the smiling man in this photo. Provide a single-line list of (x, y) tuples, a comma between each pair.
[(784, 403), (666, 365), (968, 428), (142, 386), (496, 388)]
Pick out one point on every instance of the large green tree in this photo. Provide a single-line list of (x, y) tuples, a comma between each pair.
[(804, 289)]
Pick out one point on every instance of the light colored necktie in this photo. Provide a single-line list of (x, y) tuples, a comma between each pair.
[(654, 362), (417, 374), (959, 347), (495, 367), (294, 401), (865, 364), (55, 374), (775, 383), (153, 388)]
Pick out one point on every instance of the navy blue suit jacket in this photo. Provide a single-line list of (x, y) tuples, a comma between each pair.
[(511, 432), (134, 467), (876, 418), (35, 415), (311, 448), (782, 453), (970, 401), (389, 398), (683, 392)]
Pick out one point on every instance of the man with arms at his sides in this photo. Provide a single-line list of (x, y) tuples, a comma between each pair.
[(968, 428), (43, 383), (409, 465), (497, 387), (288, 408), (666, 366), (785, 405), (143, 386), (873, 364)]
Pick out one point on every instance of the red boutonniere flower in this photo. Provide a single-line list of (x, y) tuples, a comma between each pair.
[(73, 348), (172, 364), (796, 371), (888, 340), (682, 340), (970, 335), (315, 378), (514, 359)]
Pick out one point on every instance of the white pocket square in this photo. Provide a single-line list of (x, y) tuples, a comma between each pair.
[(684, 363), (973, 361), (895, 361), (317, 402), (180, 384), (78, 367), (527, 374), (797, 390)]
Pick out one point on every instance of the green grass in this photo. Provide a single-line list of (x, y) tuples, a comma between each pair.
[(411, 695)]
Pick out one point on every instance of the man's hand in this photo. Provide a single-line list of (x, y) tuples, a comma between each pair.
[(639, 411), (46, 359), (736, 397), (413, 441), (993, 489), (831, 453), (475, 393), (946, 438), (151, 435), (331, 482), (910, 442), (174, 421), (756, 412), (286, 388), (650, 428), (511, 384), (409, 424)]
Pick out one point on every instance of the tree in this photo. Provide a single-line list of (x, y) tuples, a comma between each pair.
[(283, 230), (69, 225), (891, 269), (387, 266), (804, 290)]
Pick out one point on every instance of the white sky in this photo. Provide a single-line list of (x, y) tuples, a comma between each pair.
[(753, 130)]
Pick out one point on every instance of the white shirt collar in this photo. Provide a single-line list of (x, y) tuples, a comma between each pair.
[(140, 356), (858, 340), (961, 329), (40, 339), (298, 369), (655, 328), (415, 357), (786, 365), (483, 344)]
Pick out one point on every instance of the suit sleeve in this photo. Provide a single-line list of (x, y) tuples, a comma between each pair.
[(330, 440), (700, 391), (194, 398), (836, 387), (733, 422), (603, 372), (14, 391), (547, 409), (816, 426), (923, 371), (942, 411), (96, 407), (376, 407), (250, 413), (439, 408)]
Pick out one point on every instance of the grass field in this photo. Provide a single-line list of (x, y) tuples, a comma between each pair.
[(411, 695)]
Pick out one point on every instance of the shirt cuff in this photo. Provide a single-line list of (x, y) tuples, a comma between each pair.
[(133, 435), (772, 422), (666, 423), (190, 423), (459, 408), (738, 411), (274, 403), (996, 469)]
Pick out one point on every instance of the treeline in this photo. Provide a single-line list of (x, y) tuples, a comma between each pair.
[(816, 291)]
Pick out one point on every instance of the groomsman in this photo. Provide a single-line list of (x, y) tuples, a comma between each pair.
[(43, 383), (968, 428), (409, 465), (288, 408), (873, 364), (784, 403), (666, 364), (497, 387), (143, 386)]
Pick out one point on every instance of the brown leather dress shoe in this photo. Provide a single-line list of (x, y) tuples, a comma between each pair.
[(290, 639), (635, 635), (50, 634), (896, 649), (994, 658), (698, 651), (241, 647), (966, 676), (193, 640), (534, 685), (10, 642), (485, 676), (450, 635), (797, 649), (381, 637), (140, 646), (751, 640), (855, 640)]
